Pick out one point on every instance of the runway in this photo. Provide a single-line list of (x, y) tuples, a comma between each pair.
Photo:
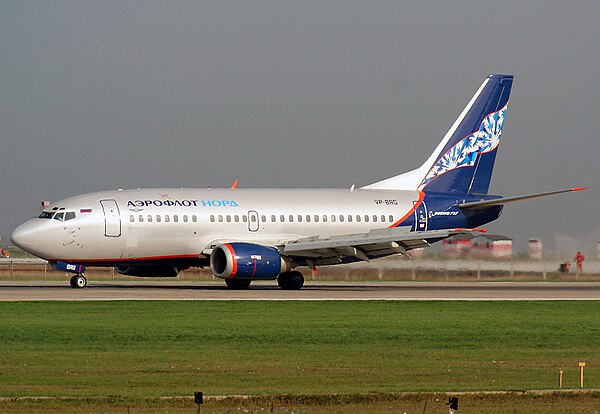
[(315, 290)]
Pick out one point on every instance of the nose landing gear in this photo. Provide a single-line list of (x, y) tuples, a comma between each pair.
[(78, 281)]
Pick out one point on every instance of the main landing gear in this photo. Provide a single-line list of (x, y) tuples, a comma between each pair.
[(291, 280), (287, 281), (78, 281)]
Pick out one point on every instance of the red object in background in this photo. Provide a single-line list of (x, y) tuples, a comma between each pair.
[(579, 258)]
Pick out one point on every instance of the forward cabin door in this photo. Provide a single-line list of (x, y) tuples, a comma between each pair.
[(112, 218)]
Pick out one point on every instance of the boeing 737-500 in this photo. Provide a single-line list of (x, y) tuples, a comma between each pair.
[(259, 234)]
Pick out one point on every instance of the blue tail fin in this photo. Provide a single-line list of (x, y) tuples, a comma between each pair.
[(466, 162), (463, 161)]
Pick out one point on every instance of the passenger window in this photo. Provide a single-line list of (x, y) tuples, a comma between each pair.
[(158, 218), (374, 218), (316, 218), (282, 218), (59, 216), (341, 218), (149, 218), (175, 218), (220, 218), (349, 218), (291, 218), (167, 218), (382, 218), (299, 218), (141, 218), (228, 218), (244, 218), (194, 219), (253, 218), (391, 218), (263, 219), (273, 218), (131, 218), (357, 218), (366, 218), (333, 218), (236, 218), (324, 218), (185, 218), (307, 218)]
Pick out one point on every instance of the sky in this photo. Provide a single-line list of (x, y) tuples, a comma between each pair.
[(126, 94)]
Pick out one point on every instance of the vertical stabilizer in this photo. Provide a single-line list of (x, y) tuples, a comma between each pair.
[(464, 159)]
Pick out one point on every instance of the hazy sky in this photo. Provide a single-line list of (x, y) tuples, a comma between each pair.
[(101, 95)]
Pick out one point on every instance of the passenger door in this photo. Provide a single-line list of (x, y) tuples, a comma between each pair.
[(112, 218)]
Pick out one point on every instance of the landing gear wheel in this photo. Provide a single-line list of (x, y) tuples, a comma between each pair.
[(291, 280), (238, 284), (78, 281)]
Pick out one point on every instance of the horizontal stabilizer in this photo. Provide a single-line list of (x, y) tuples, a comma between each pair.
[(506, 200)]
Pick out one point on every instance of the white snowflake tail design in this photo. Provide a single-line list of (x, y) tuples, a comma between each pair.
[(466, 151)]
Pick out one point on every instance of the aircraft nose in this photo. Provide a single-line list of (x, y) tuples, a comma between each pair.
[(26, 236)]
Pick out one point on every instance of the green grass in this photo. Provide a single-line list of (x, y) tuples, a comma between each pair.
[(153, 349), (555, 402)]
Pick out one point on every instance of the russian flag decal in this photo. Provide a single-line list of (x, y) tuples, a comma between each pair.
[(85, 210)]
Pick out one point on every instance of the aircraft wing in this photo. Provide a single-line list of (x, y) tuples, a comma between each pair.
[(364, 246)]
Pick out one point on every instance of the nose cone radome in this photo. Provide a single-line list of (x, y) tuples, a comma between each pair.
[(26, 236)]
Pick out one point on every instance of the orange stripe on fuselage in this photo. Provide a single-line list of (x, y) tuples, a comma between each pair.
[(411, 211)]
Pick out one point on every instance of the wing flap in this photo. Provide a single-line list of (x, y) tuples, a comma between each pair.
[(364, 246)]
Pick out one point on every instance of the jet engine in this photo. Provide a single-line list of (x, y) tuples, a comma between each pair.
[(247, 261), (149, 270)]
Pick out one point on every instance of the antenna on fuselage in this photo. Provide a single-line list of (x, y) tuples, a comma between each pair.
[(235, 185)]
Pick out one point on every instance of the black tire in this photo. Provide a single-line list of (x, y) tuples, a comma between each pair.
[(291, 280), (78, 282), (238, 284)]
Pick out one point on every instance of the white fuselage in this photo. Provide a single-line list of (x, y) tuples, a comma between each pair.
[(177, 223)]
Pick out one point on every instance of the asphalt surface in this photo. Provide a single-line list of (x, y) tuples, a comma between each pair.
[(313, 290)]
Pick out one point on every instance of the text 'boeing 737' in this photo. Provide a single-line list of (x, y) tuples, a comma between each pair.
[(260, 234)]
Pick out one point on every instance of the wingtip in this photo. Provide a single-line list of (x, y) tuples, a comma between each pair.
[(578, 188)]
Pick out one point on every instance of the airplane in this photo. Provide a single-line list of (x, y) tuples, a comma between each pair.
[(266, 234)]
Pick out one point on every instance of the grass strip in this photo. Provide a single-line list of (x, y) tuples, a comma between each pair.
[(141, 350), (564, 401)]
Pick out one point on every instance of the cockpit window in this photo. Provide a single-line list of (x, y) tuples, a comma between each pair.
[(46, 215), (69, 215), (59, 216), (54, 208)]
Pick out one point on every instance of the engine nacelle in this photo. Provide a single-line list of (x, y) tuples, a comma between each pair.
[(247, 261), (149, 271)]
